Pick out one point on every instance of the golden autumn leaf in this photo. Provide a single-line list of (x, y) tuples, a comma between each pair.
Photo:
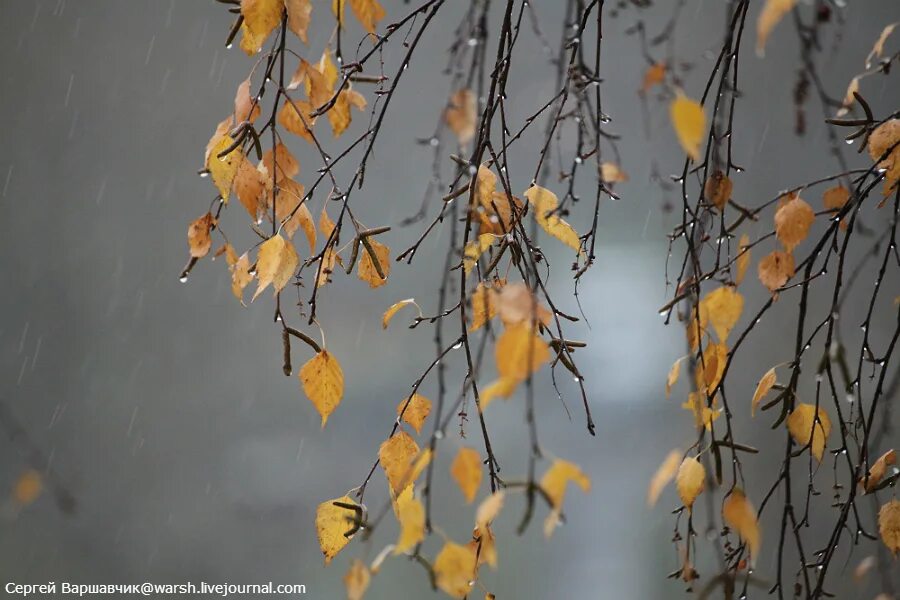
[(240, 272), (222, 170), (276, 262), (810, 427), (663, 476), (411, 515), (461, 115), (28, 488), (717, 189), (878, 470), (503, 388), (672, 377), (519, 352), (704, 415), (326, 266), (332, 525), (885, 137), (455, 567), (653, 76), (689, 123), (357, 578), (323, 383), (339, 116), (368, 271), (743, 259), (611, 173), (516, 304), (485, 185), (326, 225), (281, 160), (792, 222), (199, 240), (416, 410), (740, 516), (484, 305), (556, 478), (245, 109), (545, 204), (467, 472), (723, 307), (248, 185), (394, 308), (260, 18), (762, 388), (489, 508), (367, 12), (296, 117), (397, 455), (776, 269), (889, 525), (772, 12), (690, 480), (474, 249), (710, 369), (298, 18)]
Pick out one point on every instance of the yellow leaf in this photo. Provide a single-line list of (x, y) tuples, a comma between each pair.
[(332, 523), (222, 170), (461, 115), (800, 424), (711, 368), (545, 204), (299, 12), (339, 115), (357, 578), (454, 567), (244, 107), (474, 249), (466, 471), (416, 411), (276, 262), (776, 269), (560, 473), (743, 258), (769, 16), (717, 189), (198, 237), (368, 13), (740, 515), (260, 18), (519, 352), (672, 378), (704, 415), (326, 266), (878, 470), (240, 271), (282, 158), (367, 271), (690, 480), (326, 225), (889, 525), (503, 387), (248, 185), (411, 514), (28, 488), (397, 455), (489, 509), (723, 307), (689, 123), (663, 476), (323, 383), (762, 388), (792, 222), (394, 308), (484, 305), (296, 117)]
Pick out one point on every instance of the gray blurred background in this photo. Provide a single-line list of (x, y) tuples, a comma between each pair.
[(161, 406)]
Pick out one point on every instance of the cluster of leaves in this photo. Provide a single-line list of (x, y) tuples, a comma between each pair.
[(494, 291)]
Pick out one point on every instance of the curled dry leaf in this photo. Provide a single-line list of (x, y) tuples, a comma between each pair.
[(776, 269), (461, 115), (772, 12), (611, 173), (878, 47), (299, 14), (689, 123), (672, 377), (690, 480), (323, 383), (248, 185), (878, 470), (889, 525), (762, 388), (717, 189), (467, 472), (834, 200), (240, 271), (368, 271), (332, 525), (454, 568), (740, 515), (416, 411), (556, 478), (545, 204), (199, 240), (663, 476), (357, 578), (810, 427), (792, 222), (411, 515), (245, 109), (474, 249), (489, 509), (394, 308), (275, 264)]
